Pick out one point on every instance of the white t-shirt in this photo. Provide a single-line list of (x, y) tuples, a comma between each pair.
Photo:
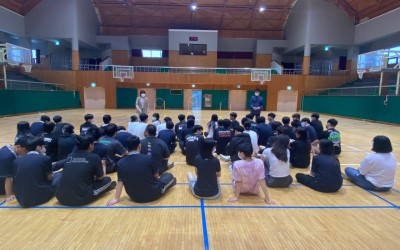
[(162, 126), (132, 126), (277, 168), (379, 169), (254, 139), (139, 130)]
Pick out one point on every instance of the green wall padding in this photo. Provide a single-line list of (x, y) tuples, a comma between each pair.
[(250, 93), (217, 97), (27, 101), (126, 98), (362, 107), (171, 101)]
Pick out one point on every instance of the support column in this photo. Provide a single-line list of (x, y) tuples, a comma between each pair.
[(75, 39), (75, 54), (306, 59), (398, 83), (352, 62)]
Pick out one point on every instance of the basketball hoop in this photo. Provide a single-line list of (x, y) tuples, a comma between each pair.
[(27, 67), (360, 73), (261, 78), (261, 75), (122, 72)]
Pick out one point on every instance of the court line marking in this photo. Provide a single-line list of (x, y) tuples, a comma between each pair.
[(3, 202), (106, 207), (397, 191), (380, 197), (204, 225), (204, 206), (293, 185)]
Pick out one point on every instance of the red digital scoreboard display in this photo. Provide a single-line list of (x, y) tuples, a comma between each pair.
[(193, 38)]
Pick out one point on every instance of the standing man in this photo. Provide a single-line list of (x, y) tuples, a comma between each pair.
[(256, 103)]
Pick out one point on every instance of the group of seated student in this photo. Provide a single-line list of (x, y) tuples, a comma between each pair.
[(73, 167)]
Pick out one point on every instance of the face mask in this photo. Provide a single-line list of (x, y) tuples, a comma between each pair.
[(303, 124), (257, 94), (153, 119), (239, 156), (143, 95)]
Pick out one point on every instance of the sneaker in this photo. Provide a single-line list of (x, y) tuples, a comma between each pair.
[(170, 165), (112, 186), (225, 157), (345, 177)]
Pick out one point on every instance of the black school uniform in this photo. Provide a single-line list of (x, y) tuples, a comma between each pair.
[(137, 171), (327, 172), (300, 154), (51, 145), (169, 137), (192, 147), (207, 181), (7, 157), (222, 136), (158, 150), (319, 128), (32, 187), (78, 186), (66, 144)]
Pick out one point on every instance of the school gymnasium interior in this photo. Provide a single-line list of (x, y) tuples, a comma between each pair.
[(339, 58)]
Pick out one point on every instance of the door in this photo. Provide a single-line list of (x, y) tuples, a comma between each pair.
[(287, 100)]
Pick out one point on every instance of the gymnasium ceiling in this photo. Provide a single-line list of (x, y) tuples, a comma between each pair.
[(232, 18)]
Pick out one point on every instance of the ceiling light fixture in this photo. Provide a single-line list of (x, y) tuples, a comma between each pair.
[(261, 8), (193, 6)]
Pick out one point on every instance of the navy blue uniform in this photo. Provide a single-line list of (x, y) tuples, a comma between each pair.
[(32, 186)]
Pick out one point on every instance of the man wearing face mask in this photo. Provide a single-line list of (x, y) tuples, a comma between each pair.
[(256, 103), (33, 178), (142, 103)]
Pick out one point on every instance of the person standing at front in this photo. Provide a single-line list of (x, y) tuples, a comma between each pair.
[(256, 103), (142, 103)]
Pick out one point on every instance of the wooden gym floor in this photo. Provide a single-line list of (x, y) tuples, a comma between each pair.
[(352, 218)]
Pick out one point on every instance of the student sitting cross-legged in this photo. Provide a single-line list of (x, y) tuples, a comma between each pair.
[(33, 175), (248, 175), (140, 177), (208, 169), (8, 154), (325, 170), (300, 149), (376, 171), (83, 179), (277, 163)]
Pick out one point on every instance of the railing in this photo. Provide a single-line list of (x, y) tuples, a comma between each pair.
[(356, 91), (319, 72), (193, 70), (38, 86)]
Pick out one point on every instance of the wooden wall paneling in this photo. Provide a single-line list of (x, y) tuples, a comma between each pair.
[(176, 60), (120, 57), (322, 82), (235, 63), (140, 61), (263, 60)]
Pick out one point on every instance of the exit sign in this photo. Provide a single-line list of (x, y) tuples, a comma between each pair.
[(193, 38)]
